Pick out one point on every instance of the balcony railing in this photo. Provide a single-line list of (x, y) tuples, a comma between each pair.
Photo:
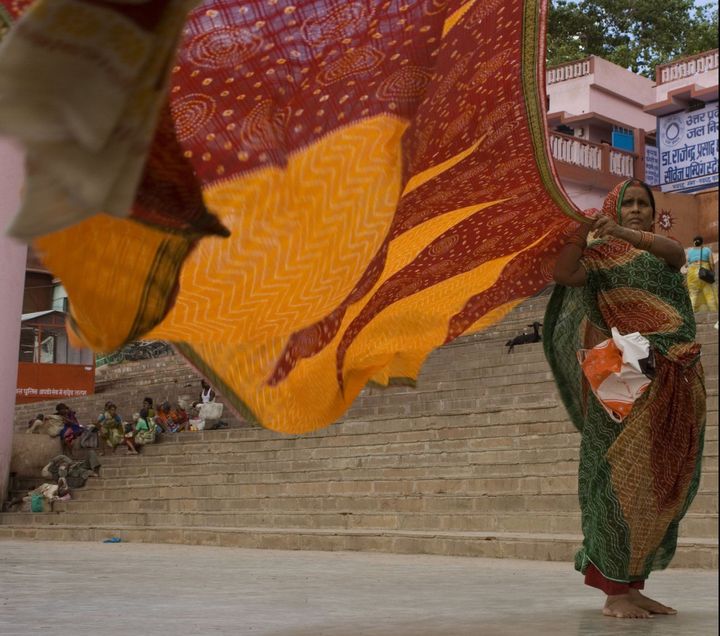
[(569, 70), (622, 163), (586, 154), (687, 67)]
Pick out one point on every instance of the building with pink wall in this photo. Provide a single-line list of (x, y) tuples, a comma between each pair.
[(604, 121), (591, 103), (12, 276), (697, 72)]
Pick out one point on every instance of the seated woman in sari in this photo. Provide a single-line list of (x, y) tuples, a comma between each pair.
[(639, 473), (145, 428), (71, 428), (702, 292), (148, 406), (112, 429), (172, 420)]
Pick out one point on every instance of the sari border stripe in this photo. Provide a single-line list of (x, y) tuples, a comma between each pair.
[(533, 83), (159, 283)]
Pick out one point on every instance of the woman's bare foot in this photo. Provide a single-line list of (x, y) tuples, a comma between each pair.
[(649, 604), (621, 606)]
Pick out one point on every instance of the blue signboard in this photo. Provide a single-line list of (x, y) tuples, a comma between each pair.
[(652, 166)]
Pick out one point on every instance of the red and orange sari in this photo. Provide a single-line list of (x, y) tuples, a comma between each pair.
[(381, 167)]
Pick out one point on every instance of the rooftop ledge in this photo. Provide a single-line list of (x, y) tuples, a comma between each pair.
[(680, 98)]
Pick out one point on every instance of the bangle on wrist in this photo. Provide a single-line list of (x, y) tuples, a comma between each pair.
[(646, 240)]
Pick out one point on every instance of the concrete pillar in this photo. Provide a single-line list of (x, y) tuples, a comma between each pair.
[(639, 167), (12, 282)]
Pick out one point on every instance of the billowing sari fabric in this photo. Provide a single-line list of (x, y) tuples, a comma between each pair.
[(636, 478), (382, 168)]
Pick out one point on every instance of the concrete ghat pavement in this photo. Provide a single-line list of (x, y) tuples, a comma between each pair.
[(78, 589)]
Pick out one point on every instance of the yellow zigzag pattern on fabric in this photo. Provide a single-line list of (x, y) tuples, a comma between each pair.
[(114, 251), (372, 355), (305, 234)]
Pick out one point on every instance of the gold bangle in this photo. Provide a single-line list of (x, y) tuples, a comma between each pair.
[(646, 241)]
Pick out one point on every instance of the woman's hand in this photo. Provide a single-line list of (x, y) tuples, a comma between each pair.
[(604, 226)]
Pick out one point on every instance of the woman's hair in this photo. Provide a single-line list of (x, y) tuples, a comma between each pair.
[(40, 416), (148, 400), (698, 241), (647, 189), (144, 413)]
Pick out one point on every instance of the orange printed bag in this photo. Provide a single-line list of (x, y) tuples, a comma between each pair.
[(614, 371)]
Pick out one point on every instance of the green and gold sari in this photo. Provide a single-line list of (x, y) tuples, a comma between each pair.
[(637, 478)]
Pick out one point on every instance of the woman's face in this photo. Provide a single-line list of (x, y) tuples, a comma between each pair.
[(636, 210)]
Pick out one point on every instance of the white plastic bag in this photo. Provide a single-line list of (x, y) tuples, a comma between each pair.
[(210, 411)]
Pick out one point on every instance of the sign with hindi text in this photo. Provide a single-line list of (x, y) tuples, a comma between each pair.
[(652, 166), (37, 382), (688, 147)]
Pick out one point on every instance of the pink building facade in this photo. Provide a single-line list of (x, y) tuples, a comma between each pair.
[(607, 124)]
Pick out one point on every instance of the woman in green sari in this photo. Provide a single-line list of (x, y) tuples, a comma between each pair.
[(638, 476), (145, 428)]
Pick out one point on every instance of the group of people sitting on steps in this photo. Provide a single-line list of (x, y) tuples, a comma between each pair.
[(111, 431)]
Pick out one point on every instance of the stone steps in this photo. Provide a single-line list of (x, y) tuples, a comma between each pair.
[(242, 473), (226, 486), (404, 445), (692, 552), (478, 459), (446, 505), (700, 525)]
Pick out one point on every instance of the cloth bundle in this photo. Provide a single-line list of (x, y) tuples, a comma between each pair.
[(81, 88), (618, 372)]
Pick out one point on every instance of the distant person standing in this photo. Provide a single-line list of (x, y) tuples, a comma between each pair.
[(207, 394), (701, 277)]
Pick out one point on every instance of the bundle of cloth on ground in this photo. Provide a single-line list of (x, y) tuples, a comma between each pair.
[(63, 474), (324, 192)]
